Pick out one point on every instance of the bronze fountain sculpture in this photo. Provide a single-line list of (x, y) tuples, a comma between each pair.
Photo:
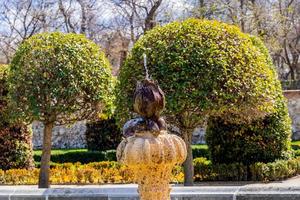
[(148, 149)]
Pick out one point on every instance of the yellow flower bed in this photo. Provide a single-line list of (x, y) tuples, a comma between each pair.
[(68, 173)]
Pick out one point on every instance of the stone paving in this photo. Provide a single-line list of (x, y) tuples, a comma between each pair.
[(285, 190)]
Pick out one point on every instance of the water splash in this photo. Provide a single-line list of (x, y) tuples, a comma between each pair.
[(145, 66)]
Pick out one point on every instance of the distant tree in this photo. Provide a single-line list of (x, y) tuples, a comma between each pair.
[(275, 22), (137, 16), (59, 78), (22, 19)]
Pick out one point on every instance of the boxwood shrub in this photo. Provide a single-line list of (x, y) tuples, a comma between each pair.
[(205, 170), (83, 157)]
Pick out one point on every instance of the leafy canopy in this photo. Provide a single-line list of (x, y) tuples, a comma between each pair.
[(57, 76), (205, 68)]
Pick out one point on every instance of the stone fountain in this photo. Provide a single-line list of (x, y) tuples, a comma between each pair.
[(148, 149)]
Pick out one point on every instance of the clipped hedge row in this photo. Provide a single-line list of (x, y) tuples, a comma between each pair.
[(273, 171), (98, 156), (82, 157)]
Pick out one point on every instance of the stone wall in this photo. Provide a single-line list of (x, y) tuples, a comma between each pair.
[(74, 136), (63, 137), (293, 97)]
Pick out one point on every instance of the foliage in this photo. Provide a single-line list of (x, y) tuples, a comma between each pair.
[(204, 67), (81, 156), (200, 151), (85, 156), (56, 76), (103, 135), (15, 147), (278, 170), (15, 139), (3, 94), (297, 153), (113, 172), (261, 140), (295, 145)]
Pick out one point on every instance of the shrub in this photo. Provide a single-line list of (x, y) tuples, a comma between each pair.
[(205, 68), (206, 171), (274, 171), (278, 170), (57, 77), (202, 169), (297, 153), (103, 135), (200, 152), (15, 139), (261, 140), (81, 156)]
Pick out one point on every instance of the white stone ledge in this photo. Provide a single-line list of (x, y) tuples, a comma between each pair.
[(129, 192)]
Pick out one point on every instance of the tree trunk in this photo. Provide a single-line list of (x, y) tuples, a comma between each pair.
[(46, 154), (293, 77), (188, 163)]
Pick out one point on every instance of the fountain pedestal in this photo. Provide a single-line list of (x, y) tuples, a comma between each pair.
[(151, 157)]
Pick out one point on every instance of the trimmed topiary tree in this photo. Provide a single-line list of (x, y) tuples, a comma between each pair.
[(262, 140), (15, 139), (205, 68), (59, 78)]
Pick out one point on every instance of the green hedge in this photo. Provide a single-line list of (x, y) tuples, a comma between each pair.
[(297, 153), (259, 141), (273, 171), (80, 156), (85, 156), (73, 156)]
